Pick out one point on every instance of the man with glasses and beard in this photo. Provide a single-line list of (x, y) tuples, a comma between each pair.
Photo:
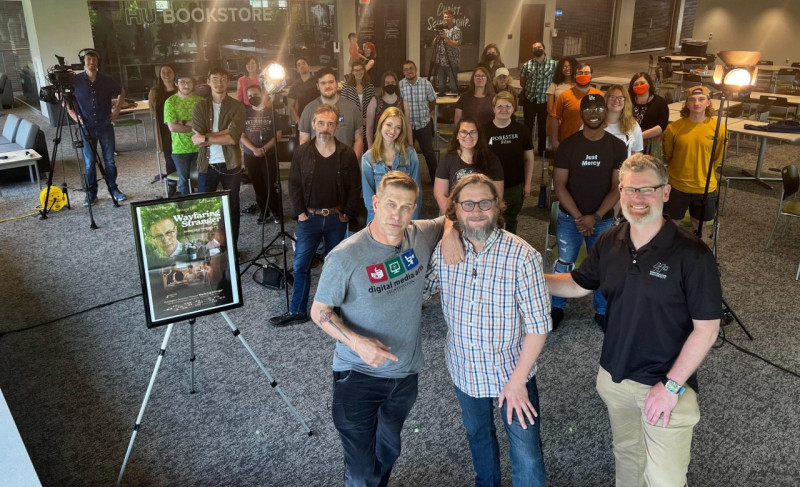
[(664, 311), (495, 333), (585, 181)]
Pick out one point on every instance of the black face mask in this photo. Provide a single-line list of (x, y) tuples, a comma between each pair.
[(491, 56), (390, 89), (538, 52), (255, 101)]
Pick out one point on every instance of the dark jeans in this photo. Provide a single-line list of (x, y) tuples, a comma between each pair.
[(107, 146), (166, 147), (527, 463), (369, 413), (309, 235), (230, 179), (537, 112), (263, 175), (183, 166), (513, 199), (424, 137), (448, 75)]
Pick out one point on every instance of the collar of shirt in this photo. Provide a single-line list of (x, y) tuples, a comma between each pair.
[(662, 239)]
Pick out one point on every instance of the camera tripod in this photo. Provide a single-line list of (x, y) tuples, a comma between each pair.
[(433, 69)]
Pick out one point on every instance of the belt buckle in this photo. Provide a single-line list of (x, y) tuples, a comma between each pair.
[(325, 211)]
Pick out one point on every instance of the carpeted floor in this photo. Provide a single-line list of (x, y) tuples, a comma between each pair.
[(76, 358)]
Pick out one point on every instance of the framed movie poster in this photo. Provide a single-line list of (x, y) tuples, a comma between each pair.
[(187, 258)]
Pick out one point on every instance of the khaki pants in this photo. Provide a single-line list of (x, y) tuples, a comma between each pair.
[(647, 455)]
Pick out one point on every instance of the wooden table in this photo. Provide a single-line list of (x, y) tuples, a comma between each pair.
[(22, 158), (610, 80), (736, 126)]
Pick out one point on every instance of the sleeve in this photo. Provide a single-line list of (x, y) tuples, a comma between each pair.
[(367, 183), (432, 285), (305, 120), (532, 297), (460, 102), (293, 91), (443, 168), (663, 113), (295, 182), (638, 143), (199, 121), (413, 162), (551, 90), (236, 126), (558, 107), (620, 152), (702, 284), (429, 91), (170, 115), (333, 281), (497, 169), (563, 155), (457, 35), (525, 71), (720, 146)]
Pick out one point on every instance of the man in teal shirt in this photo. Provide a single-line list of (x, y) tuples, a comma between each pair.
[(178, 117)]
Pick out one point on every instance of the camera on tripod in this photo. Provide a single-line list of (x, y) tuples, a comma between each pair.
[(439, 27), (62, 77)]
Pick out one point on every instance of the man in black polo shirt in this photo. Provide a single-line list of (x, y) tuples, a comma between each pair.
[(664, 309)]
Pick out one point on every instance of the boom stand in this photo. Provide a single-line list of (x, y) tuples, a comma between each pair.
[(161, 353), (727, 311)]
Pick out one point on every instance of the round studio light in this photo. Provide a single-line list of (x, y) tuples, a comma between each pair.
[(275, 72), (737, 77)]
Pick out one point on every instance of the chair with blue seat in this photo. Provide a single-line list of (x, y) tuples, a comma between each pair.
[(789, 205)]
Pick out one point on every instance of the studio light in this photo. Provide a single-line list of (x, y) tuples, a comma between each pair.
[(740, 70), (273, 78)]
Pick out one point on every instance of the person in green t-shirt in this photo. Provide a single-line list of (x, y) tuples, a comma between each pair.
[(178, 117)]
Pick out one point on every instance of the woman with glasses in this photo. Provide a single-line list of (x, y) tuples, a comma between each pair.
[(511, 142), (164, 88), (620, 121), (651, 112), (388, 96), (358, 89), (468, 153), (477, 101), (390, 152)]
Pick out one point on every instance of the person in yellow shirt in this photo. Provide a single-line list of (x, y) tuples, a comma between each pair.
[(687, 150)]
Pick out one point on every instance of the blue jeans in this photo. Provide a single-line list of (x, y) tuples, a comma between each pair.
[(369, 413), (447, 76), (309, 235), (569, 245), (527, 463), (107, 145), (230, 179), (183, 165)]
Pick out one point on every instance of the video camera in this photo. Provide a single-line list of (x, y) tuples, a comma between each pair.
[(439, 26), (62, 77)]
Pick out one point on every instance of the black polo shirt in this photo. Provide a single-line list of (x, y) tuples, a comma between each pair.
[(653, 294)]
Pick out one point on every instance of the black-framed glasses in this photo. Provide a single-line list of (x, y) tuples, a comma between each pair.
[(589, 111), (468, 133), (484, 205), (645, 191)]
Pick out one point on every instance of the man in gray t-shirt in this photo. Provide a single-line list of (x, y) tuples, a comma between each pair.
[(376, 278)]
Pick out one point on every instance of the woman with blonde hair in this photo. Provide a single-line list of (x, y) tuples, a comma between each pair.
[(389, 152), (620, 121)]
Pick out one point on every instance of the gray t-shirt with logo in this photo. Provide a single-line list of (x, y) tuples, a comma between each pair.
[(350, 120), (379, 290)]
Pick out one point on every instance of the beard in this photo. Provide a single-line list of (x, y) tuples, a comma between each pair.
[(648, 217), (480, 232)]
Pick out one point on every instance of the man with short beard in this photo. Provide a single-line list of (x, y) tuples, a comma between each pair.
[(566, 117), (585, 181), (664, 311), (495, 332)]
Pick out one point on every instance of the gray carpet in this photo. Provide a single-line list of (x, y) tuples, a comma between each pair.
[(75, 385)]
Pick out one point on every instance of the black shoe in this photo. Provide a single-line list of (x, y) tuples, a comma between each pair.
[(288, 319), (601, 321), (557, 314)]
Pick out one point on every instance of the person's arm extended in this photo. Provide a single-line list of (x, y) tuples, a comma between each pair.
[(370, 350), (564, 286), (441, 188), (658, 400), (515, 390), (526, 185)]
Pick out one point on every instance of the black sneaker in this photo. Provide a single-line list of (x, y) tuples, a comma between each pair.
[(288, 319), (557, 314), (601, 321)]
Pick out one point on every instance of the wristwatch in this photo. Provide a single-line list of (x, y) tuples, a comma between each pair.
[(673, 387)]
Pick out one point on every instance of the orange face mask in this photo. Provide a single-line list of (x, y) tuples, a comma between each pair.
[(641, 89), (583, 79)]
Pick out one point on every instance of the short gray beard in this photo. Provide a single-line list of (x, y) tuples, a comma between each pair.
[(479, 234), (644, 220)]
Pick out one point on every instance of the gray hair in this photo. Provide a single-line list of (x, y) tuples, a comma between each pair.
[(642, 162)]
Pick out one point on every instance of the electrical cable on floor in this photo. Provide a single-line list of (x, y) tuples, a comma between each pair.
[(71, 315), (20, 217), (724, 339)]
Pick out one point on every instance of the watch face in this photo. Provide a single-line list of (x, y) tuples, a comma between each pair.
[(672, 387)]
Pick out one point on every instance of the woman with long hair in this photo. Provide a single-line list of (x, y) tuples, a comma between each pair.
[(620, 121), (388, 95), (467, 153), (248, 80), (476, 102), (358, 89), (164, 88), (490, 58), (389, 152), (563, 80), (651, 112)]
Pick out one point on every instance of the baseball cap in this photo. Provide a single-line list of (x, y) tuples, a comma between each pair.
[(698, 90), (501, 72), (590, 101)]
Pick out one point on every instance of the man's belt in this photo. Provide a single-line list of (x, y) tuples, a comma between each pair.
[(324, 211)]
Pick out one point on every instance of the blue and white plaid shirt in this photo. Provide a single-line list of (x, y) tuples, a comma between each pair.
[(418, 96), (490, 302)]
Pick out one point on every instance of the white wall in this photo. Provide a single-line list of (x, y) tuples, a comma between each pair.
[(56, 27), (624, 23), (739, 25)]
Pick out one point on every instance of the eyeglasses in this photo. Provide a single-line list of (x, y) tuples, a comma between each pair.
[(504, 107), (589, 111), (484, 205), (167, 234), (618, 99), (645, 191), (468, 133)]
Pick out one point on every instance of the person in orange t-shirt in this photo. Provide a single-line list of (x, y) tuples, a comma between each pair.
[(566, 117)]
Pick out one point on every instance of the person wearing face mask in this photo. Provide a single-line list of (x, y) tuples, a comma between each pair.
[(388, 96), (490, 59), (651, 111), (535, 77), (566, 117), (258, 145)]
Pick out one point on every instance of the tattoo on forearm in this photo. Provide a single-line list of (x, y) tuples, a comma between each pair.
[(327, 317)]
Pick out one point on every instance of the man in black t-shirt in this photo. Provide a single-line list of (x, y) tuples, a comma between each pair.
[(664, 310), (303, 90), (585, 179), (511, 143)]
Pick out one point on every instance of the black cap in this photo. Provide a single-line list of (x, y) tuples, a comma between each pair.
[(590, 101)]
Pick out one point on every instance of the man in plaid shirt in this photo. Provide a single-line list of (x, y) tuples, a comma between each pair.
[(496, 306), (421, 98), (535, 77)]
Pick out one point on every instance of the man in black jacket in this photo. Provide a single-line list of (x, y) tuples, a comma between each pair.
[(325, 190)]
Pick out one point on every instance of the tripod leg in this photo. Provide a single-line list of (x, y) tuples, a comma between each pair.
[(261, 366), (192, 356), (726, 309), (138, 424)]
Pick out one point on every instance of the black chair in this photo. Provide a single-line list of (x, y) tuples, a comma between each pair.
[(777, 107), (786, 80), (765, 63)]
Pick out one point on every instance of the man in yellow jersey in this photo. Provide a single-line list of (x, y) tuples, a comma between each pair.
[(687, 151)]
